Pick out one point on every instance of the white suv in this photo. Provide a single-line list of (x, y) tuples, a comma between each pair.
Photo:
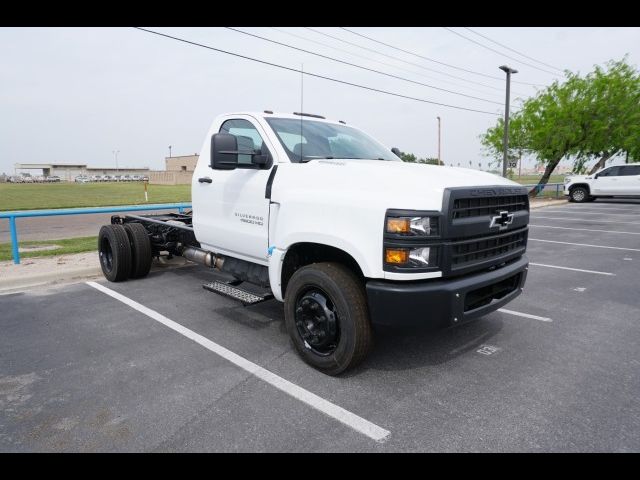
[(614, 181)]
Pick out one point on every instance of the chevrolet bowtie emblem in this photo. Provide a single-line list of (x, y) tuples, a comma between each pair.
[(502, 221)]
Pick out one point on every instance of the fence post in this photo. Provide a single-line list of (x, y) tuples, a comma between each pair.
[(14, 240)]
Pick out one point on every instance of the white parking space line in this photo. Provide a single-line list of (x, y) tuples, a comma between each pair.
[(349, 419), (586, 220), (603, 208), (584, 212), (572, 269), (584, 229), (584, 244), (525, 315)]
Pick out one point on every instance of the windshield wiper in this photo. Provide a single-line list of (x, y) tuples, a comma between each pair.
[(308, 158)]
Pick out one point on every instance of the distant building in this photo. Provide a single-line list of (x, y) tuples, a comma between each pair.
[(69, 171), (183, 163), (178, 171)]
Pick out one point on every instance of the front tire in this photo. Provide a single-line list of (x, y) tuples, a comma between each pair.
[(579, 194), (114, 252), (327, 317)]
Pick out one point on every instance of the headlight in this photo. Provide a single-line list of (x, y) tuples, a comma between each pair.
[(411, 240), (412, 226), (409, 257)]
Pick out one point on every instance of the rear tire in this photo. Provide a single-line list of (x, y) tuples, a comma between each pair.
[(327, 317), (579, 194), (114, 252), (141, 254)]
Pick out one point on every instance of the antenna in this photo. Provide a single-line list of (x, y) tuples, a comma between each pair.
[(301, 105)]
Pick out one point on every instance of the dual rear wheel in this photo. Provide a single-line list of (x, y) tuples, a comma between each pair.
[(124, 251)]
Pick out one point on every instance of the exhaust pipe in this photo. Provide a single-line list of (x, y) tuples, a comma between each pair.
[(203, 257)]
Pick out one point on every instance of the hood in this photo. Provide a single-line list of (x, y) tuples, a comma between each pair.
[(387, 183)]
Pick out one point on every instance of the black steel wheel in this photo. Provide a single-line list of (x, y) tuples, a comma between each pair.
[(327, 317), (114, 252), (141, 254), (317, 321)]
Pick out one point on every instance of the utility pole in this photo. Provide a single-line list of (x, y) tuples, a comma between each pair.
[(115, 153), (508, 71), (439, 158)]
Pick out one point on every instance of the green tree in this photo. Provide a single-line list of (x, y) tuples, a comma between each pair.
[(584, 118), (408, 157), (613, 111), (431, 161), (411, 158)]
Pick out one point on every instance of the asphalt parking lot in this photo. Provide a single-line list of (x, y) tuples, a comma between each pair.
[(83, 370)]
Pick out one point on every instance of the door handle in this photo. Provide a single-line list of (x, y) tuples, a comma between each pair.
[(205, 180)]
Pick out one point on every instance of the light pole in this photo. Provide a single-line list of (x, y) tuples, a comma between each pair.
[(439, 159), (169, 151), (508, 71), (115, 153)]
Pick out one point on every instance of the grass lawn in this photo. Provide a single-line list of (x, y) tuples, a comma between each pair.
[(35, 196), (533, 179), (68, 245)]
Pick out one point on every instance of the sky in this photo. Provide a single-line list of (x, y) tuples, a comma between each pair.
[(76, 95)]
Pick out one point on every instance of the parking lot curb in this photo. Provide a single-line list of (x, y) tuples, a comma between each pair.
[(10, 285), (546, 203)]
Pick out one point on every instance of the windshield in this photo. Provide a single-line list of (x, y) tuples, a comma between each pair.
[(305, 140)]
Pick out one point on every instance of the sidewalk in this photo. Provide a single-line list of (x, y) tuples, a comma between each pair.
[(61, 269)]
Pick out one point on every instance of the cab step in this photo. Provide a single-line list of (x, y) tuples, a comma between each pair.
[(237, 293)]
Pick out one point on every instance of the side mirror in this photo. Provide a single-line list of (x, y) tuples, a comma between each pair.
[(262, 157), (595, 176), (224, 151), (396, 151)]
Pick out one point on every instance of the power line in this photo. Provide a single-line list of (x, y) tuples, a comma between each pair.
[(421, 56), (331, 79), (500, 53), (389, 64), (514, 51), (363, 68), (401, 60)]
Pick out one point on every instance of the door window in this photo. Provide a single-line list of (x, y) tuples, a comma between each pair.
[(630, 170), (248, 138), (610, 172)]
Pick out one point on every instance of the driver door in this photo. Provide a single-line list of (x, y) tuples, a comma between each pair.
[(608, 182), (234, 214)]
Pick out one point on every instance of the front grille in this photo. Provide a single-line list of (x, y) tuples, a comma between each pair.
[(475, 207), (479, 250)]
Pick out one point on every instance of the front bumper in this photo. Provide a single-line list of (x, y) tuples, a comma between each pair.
[(445, 302)]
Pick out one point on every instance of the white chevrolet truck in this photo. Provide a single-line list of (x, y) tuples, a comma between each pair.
[(614, 181), (320, 216)]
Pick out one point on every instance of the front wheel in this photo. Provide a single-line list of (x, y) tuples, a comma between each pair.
[(327, 317), (579, 195)]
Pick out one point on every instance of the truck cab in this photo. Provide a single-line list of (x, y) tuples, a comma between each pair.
[(332, 223)]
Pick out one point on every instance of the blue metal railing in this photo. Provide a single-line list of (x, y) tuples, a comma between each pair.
[(555, 189), (77, 211)]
